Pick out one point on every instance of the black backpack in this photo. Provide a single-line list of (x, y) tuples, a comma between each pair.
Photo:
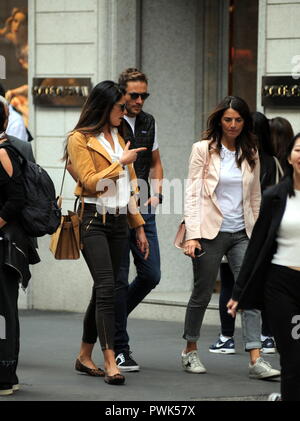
[(41, 214)]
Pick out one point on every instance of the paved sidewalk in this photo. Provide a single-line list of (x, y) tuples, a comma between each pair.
[(50, 342)]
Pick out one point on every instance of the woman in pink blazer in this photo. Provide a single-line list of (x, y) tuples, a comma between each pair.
[(221, 207)]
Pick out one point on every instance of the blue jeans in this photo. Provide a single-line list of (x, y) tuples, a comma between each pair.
[(206, 267), (128, 296)]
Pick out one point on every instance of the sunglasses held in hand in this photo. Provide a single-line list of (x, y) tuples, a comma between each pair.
[(199, 253)]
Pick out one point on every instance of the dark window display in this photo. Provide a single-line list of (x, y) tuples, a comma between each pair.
[(243, 50), (14, 49)]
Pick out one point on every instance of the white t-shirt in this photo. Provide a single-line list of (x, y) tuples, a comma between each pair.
[(119, 192), (229, 192), (131, 122), (16, 126), (288, 236)]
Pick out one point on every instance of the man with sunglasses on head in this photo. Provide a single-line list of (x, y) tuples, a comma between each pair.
[(138, 128)]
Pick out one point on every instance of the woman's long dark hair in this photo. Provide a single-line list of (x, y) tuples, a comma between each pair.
[(96, 110), (246, 142), (262, 131), (281, 134), (3, 117), (289, 170)]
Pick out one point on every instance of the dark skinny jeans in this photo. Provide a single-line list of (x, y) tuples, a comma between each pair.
[(102, 250)]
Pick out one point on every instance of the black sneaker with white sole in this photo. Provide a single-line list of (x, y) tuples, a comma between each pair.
[(268, 346), (126, 363)]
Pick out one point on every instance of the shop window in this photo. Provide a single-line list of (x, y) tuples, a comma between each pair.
[(14, 51), (243, 39)]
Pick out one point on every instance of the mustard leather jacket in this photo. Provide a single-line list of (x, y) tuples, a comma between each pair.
[(91, 162)]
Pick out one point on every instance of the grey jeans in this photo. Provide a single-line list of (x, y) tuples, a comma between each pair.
[(205, 269)]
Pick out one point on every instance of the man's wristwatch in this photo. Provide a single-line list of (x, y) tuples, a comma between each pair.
[(159, 196)]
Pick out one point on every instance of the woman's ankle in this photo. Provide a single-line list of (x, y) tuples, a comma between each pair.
[(110, 364), (190, 346), (85, 352)]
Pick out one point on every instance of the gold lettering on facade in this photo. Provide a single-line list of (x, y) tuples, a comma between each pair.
[(60, 90), (281, 90)]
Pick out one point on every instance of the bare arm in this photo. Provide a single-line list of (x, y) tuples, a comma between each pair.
[(156, 177)]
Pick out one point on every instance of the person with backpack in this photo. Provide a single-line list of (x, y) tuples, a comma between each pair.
[(41, 214), (16, 253)]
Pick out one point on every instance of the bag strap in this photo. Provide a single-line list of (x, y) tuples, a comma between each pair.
[(64, 176), (279, 170), (77, 198), (81, 198)]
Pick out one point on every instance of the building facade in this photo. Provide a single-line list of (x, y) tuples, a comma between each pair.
[(194, 52)]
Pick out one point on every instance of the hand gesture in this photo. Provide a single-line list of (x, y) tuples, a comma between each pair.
[(232, 305), (130, 155)]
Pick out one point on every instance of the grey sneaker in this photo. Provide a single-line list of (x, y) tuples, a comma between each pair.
[(191, 363), (262, 370)]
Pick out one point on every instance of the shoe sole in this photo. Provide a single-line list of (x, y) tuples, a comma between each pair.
[(129, 369), (222, 351), (273, 376), (268, 350), (195, 372), (114, 381), (6, 392), (16, 387)]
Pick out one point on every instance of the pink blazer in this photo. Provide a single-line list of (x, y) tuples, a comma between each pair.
[(202, 214)]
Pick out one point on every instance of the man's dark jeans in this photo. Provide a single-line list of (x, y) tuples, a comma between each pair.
[(128, 296)]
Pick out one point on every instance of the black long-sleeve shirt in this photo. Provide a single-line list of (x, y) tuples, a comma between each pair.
[(12, 193)]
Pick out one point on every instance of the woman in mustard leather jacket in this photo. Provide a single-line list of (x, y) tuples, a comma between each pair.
[(106, 179)]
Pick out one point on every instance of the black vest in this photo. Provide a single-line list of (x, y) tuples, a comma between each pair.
[(143, 137)]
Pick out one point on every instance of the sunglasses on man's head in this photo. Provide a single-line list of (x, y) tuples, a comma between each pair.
[(135, 95)]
